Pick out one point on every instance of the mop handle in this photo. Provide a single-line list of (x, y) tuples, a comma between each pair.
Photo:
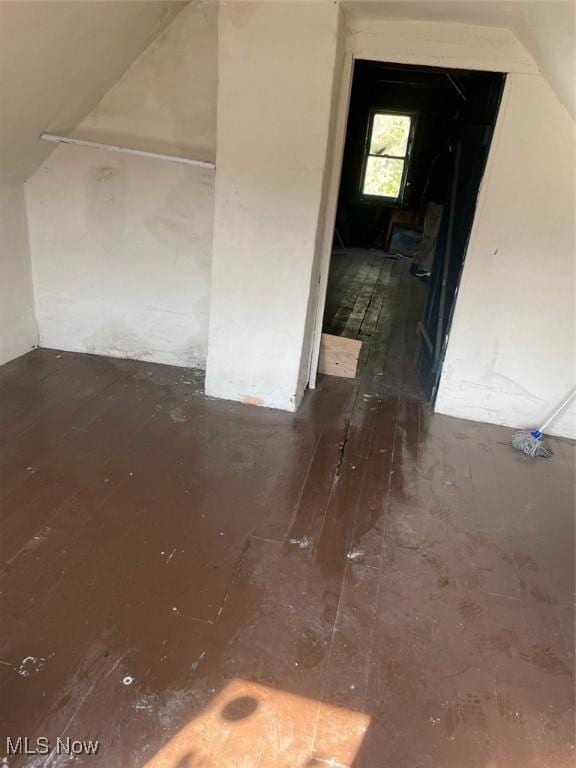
[(558, 410)]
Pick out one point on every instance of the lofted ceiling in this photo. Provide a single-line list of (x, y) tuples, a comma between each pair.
[(57, 60), (59, 57), (546, 28)]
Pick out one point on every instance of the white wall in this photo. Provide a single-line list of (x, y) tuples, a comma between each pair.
[(18, 329), (511, 352), (548, 30), (57, 60), (343, 70), (438, 44), (276, 68), (121, 245)]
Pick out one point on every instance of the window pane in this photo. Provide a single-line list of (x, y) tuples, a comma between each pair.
[(390, 135), (383, 177)]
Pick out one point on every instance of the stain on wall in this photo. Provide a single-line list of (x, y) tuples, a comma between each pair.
[(122, 245), (105, 204)]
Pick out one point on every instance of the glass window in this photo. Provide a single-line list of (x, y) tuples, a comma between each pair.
[(387, 155)]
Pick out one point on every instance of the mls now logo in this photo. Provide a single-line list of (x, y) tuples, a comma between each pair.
[(22, 745)]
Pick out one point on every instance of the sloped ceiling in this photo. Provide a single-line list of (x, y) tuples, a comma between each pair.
[(546, 28), (57, 60)]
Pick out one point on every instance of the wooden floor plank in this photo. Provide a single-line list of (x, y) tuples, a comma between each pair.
[(362, 583)]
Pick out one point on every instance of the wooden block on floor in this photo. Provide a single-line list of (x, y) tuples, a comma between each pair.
[(339, 356)]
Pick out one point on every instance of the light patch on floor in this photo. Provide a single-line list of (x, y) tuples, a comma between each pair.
[(254, 726)]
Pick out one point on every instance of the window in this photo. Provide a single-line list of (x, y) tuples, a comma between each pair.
[(387, 155)]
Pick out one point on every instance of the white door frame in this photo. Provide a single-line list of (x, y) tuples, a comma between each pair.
[(336, 171), (331, 206)]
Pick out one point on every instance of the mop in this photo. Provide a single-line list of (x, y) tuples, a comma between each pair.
[(531, 442)]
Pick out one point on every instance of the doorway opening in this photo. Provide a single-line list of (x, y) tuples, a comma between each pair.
[(417, 141)]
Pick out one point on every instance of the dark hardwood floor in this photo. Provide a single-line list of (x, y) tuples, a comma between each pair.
[(197, 583)]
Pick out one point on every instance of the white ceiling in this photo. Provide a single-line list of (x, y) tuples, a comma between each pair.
[(57, 60), (547, 28)]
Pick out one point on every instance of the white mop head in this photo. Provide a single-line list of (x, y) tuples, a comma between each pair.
[(532, 445)]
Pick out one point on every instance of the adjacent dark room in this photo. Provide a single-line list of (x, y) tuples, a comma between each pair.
[(416, 146)]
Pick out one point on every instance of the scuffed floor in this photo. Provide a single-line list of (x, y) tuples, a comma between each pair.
[(197, 583)]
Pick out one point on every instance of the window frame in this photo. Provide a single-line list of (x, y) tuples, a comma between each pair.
[(383, 199)]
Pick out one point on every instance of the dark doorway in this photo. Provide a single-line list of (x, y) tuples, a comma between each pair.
[(416, 146)]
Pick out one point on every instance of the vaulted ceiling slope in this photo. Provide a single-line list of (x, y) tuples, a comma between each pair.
[(58, 59), (546, 28)]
